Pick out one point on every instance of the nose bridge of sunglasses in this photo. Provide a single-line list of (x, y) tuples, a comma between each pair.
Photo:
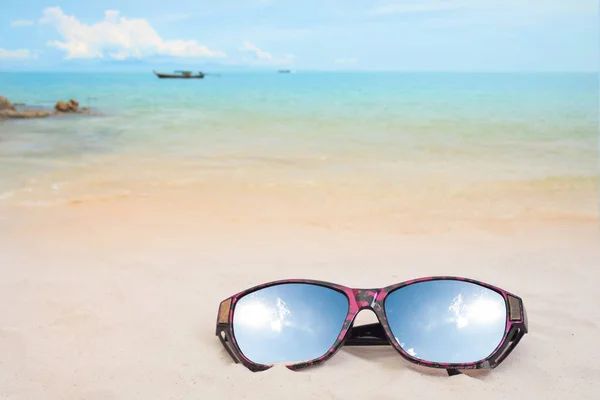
[(366, 298)]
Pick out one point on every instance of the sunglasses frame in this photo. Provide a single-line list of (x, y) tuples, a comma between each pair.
[(374, 299)]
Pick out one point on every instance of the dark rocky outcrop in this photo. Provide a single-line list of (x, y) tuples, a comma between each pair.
[(69, 106), (24, 114), (8, 110), (6, 105)]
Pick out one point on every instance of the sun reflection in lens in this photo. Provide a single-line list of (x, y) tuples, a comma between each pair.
[(257, 315), (480, 311), (484, 311), (253, 314), (276, 326)]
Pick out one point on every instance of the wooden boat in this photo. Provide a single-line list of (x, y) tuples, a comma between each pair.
[(179, 75)]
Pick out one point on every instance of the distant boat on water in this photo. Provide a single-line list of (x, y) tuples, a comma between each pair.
[(179, 75), (284, 71)]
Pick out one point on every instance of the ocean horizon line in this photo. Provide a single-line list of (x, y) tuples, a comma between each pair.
[(297, 70)]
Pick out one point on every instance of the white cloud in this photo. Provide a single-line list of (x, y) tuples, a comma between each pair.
[(410, 351), (20, 54), (263, 57), (21, 23), (258, 53), (117, 37)]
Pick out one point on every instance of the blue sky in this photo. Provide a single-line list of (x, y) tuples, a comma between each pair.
[(464, 35)]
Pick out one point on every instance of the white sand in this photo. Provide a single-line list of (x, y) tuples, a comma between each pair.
[(99, 312)]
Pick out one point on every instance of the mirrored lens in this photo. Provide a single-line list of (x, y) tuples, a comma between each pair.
[(290, 322), (447, 321)]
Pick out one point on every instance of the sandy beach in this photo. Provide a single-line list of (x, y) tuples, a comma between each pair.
[(99, 301)]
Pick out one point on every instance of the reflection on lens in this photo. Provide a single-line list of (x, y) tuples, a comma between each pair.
[(447, 321), (290, 322)]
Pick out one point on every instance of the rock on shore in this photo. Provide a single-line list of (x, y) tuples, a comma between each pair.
[(8, 110), (6, 105)]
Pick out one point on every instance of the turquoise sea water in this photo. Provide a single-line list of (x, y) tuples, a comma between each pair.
[(309, 126)]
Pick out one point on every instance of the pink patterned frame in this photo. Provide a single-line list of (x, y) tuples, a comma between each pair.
[(374, 299)]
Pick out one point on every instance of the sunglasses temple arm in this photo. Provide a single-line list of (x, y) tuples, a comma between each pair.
[(224, 338), (367, 335)]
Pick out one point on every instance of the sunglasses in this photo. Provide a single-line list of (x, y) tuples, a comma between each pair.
[(439, 322)]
